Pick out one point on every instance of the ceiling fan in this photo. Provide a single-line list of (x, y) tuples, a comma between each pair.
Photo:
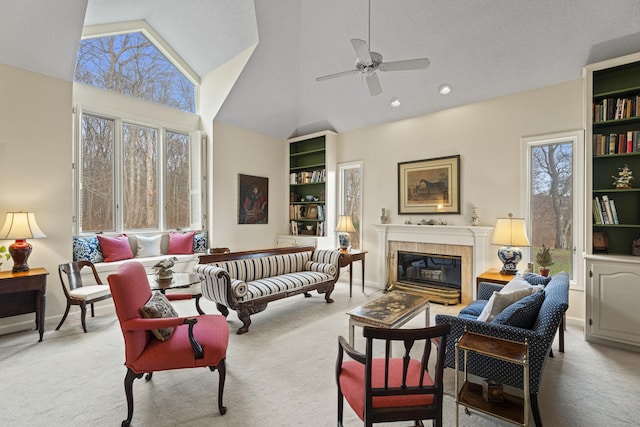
[(369, 62)]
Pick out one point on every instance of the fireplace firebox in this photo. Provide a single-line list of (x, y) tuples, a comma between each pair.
[(440, 276)]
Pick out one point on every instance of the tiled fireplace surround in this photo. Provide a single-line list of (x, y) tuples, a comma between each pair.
[(468, 242)]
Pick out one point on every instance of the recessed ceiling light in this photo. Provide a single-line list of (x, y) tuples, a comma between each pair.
[(445, 89), (395, 102)]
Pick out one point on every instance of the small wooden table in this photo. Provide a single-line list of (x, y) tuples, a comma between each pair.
[(513, 409), (389, 311), (24, 292), (349, 258), (179, 281)]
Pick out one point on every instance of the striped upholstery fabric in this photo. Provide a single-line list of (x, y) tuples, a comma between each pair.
[(257, 277)]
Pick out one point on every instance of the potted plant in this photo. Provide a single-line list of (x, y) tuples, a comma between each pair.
[(544, 260)]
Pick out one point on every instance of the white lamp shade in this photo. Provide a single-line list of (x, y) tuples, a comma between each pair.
[(21, 225), (345, 224), (510, 232)]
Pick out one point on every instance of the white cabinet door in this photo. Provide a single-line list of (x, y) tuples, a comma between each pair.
[(612, 306)]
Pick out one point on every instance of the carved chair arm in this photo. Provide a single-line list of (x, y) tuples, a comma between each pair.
[(198, 352)]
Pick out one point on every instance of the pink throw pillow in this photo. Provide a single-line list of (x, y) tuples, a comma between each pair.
[(181, 243), (115, 248)]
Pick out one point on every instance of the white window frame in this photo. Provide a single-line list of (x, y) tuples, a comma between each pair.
[(576, 138), (341, 168), (104, 104)]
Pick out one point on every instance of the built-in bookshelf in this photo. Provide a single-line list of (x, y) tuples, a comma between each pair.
[(312, 186), (612, 261), (615, 136)]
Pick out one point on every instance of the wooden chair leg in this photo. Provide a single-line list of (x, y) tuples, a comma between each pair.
[(93, 313), (128, 391), (83, 315), (64, 316)]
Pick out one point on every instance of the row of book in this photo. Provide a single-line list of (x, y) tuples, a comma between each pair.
[(300, 228), (604, 210), (616, 108), (616, 143), (307, 177), (311, 211)]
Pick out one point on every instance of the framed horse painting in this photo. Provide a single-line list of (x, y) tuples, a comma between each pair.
[(429, 186)]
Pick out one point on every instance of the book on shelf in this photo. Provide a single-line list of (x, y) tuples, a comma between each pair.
[(607, 208), (614, 212), (597, 216)]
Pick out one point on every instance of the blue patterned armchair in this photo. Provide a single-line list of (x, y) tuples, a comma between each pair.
[(540, 337)]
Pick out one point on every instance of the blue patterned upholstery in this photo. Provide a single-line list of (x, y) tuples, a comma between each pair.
[(87, 249), (540, 337), (536, 279), (523, 313)]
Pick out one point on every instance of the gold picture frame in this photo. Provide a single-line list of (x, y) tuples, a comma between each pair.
[(429, 186)]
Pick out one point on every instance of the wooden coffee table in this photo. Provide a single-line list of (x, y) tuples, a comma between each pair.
[(389, 311)]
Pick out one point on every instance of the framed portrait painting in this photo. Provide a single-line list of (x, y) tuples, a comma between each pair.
[(253, 200), (430, 186)]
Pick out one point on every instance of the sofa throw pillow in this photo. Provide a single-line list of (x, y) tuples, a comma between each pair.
[(181, 243), (115, 248), (523, 313), (536, 279), (87, 249), (500, 301), (159, 307), (518, 283), (148, 246), (200, 243)]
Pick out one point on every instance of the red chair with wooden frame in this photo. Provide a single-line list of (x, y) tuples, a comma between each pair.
[(387, 389), (196, 341)]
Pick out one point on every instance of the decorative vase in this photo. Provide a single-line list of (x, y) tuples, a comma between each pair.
[(475, 217)]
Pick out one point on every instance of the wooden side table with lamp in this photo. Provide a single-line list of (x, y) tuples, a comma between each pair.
[(23, 290)]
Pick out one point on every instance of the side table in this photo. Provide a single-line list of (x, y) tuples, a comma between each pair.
[(513, 409), (349, 258), (24, 292)]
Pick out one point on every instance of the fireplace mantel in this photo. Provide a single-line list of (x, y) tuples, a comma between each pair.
[(476, 237)]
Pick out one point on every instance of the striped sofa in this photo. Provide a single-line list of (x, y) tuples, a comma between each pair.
[(247, 281)]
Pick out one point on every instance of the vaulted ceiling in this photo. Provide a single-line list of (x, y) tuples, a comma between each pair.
[(483, 48)]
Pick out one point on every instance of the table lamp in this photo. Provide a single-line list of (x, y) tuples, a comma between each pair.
[(511, 233), (20, 226), (344, 227)]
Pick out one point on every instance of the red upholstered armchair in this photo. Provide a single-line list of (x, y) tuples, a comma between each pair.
[(198, 341), (386, 389)]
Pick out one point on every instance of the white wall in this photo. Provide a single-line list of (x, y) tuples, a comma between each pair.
[(237, 151), (487, 135), (35, 165)]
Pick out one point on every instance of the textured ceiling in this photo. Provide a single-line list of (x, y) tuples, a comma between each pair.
[(484, 48)]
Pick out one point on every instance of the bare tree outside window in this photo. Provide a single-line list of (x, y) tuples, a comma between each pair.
[(96, 176), (140, 176), (131, 65), (351, 203), (177, 181), (552, 202)]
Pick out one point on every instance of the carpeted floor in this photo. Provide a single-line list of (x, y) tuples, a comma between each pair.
[(279, 374)]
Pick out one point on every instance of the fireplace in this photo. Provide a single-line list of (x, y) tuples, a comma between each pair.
[(469, 243), (440, 276)]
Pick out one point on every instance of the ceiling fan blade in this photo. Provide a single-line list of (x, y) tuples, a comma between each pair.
[(374, 85), (407, 64), (362, 50), (333, 76)]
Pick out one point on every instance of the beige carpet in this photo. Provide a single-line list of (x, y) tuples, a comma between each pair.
[(279, 374)]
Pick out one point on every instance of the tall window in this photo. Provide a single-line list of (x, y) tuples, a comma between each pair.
[(552, 190), (350, 195), (139, 165)]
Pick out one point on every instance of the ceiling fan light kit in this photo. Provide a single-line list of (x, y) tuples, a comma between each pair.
[(368, 63)]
